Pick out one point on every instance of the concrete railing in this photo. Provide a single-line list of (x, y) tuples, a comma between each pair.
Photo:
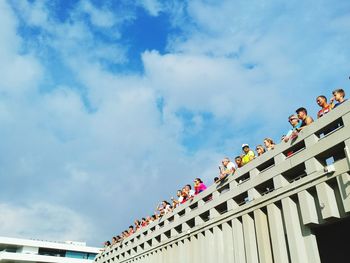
[(264, 213)]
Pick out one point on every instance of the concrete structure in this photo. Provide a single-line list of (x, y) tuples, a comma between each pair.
[(14, 250), (291, 204)]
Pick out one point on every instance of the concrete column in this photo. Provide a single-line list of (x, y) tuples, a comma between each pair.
[(231, 204), (250, 239), (233, 184), (279, 245), (253, 194), (344, 188), (308, 208), (201, 203), (216, 194), (310, 244), (254, 172), (154, 242), (295, 239), (313, 165), (165, 255), (202, 247), (238, 241), (210, 246), (213, 213), (279, 158), (195, 255), (198, 221), (185, 228), (157, 257), (347, 150), (280, 181), (175, 253), (219, 244), (163, 237), (346, 119), (228, 243), (311, 140), (187, 249), (181, 253), (327, 201), (262, 236)]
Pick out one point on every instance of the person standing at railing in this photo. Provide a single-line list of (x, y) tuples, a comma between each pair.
[(179, 199), (260, 150), (305, 119), (325, 107), (247, 155), (293, 132), (228, 168), (338, 96), (199, 186), (238, 161), (269, 144)]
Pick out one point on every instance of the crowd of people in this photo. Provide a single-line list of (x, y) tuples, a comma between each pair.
[(298, 121)]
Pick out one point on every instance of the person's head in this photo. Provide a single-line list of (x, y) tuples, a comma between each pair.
[(114, 239), (136, 222), (188, 187), (260, 150), (107, 243), (338, 94), (216, 179), (293, 120), (197, 181), (131, 228), (302, 113), (184, 192), (238, 161), (225, 161), (245, 148), (268, 142), (178, 193), (321, 101)]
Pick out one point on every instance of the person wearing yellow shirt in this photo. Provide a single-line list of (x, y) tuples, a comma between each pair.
[(247, 155)]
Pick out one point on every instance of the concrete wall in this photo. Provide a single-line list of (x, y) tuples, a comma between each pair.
[(264, 213)]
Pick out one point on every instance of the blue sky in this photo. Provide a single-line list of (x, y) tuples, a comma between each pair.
[(108, 107)]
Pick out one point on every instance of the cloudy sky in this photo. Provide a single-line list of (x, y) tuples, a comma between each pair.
[(108, 107)]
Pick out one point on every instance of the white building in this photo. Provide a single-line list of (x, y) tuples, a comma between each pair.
[(14, 250)]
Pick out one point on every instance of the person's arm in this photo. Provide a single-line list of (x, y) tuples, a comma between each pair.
[(309, 120), (251, 155)]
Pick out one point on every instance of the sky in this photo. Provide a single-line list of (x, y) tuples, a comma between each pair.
[(108, 107)]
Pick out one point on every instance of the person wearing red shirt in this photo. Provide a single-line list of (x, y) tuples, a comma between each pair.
[(325, 107)]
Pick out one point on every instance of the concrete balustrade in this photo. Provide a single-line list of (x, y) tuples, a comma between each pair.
[(266, 212)]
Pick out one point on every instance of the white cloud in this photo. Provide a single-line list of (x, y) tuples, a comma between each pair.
[(44, 221), (100, 145), (100, 18), (152, 6)]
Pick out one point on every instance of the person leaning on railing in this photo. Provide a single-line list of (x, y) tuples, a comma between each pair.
[(305, 119), (228, 168), (269, 144), (199, 186), (338, 96), (293, 132), (247, 155), (260, 150)]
